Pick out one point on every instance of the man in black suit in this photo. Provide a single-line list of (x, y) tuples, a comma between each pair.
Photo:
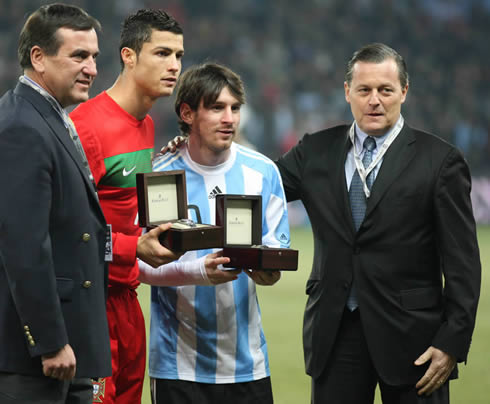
[(53, 326), (396, 274)]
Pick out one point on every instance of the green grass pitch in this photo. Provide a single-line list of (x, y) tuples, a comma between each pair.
[(282, 314)]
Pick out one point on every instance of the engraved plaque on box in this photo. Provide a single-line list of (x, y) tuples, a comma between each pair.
[(239, 222), (162, 198)]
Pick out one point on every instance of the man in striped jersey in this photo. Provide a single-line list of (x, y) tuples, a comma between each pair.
[(206, 341)]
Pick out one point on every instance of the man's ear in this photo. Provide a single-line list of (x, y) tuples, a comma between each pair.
[(404, 93), (186, 113), (129, 57), (38, 59), (347, 91)]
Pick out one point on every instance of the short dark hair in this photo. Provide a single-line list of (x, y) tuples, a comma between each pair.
[(138, 27), (377, 53), (42, 25), (205, 82)]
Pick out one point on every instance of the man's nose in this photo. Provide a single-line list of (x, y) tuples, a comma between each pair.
[(90, 67), (227, 115), (373, 98), (175, 64)]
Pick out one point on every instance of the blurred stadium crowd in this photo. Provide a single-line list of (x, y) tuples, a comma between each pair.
[(292, 54)]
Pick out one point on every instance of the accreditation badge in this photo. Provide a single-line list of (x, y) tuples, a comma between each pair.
[(108, 243)]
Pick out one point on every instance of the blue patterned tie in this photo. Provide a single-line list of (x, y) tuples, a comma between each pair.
[(358, 202)]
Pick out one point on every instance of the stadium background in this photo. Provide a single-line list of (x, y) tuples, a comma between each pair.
[(291, 56)]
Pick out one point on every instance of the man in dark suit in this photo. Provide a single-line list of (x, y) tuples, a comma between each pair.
[(53, 326), (396, 274)]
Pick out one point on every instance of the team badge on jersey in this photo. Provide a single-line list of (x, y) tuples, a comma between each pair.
[(99, 390)]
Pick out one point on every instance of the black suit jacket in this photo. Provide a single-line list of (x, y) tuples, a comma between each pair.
[(418, 228), (53, 277)]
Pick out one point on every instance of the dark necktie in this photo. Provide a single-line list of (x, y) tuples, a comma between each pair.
[(358, 202)]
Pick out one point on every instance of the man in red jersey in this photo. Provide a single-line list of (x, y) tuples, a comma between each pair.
[(118, 137)]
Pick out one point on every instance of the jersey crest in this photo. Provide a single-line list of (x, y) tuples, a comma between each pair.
[(99, 390)]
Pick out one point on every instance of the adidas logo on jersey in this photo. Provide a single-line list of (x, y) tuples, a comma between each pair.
[(214, 192), (283, 237)]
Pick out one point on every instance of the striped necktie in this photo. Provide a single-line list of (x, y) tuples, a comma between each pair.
[(358, 202), (78, 144)]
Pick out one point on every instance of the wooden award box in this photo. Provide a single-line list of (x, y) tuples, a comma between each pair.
[(240, 216), (162, 198)]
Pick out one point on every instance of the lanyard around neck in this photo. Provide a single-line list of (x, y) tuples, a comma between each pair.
[(364, 172)]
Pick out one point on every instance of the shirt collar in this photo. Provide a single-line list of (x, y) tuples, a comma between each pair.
[(361, 136)]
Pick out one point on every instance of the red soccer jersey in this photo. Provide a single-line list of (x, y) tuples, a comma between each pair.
[(117, 146)]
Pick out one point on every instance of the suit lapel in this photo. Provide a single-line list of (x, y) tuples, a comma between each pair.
[(61, 132), (396, 159), (337, 154), (345, 201), (54, 121)]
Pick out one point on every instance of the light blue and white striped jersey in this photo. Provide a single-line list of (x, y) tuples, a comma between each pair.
[(213, 334)]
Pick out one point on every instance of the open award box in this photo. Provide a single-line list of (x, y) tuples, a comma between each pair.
[(162, 198), (241, 219)]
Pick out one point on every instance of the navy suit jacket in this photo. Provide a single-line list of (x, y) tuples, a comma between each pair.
[(418, 229), (53, 278)]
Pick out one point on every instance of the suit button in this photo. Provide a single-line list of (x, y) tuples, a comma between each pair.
[(85, 237), (346, 285), (87, 284)]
